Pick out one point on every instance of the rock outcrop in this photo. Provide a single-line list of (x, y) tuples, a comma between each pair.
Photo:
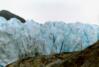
[(86, 58), (8, 15)]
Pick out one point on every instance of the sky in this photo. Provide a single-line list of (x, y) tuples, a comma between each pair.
[(85, 11)]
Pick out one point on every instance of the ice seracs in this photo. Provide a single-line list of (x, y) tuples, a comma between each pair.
[(19, 39)]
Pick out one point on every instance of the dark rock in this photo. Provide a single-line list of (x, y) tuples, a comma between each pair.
[(87, 58), (8, 15)]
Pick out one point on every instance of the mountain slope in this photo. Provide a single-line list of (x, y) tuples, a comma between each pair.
[(8, 15)]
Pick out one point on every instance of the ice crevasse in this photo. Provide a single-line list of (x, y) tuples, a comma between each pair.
[(19, 39)]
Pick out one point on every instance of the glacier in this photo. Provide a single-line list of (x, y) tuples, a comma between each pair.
[(19, 40)]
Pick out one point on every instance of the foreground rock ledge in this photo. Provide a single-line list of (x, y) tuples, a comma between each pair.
[(86, 58)]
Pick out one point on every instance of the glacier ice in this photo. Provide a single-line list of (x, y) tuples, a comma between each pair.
[(26, 39)]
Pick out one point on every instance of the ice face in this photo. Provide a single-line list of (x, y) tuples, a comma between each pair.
[(73, 36), (19, 40)]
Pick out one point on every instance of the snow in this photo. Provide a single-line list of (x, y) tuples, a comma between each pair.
[(17, 39)]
